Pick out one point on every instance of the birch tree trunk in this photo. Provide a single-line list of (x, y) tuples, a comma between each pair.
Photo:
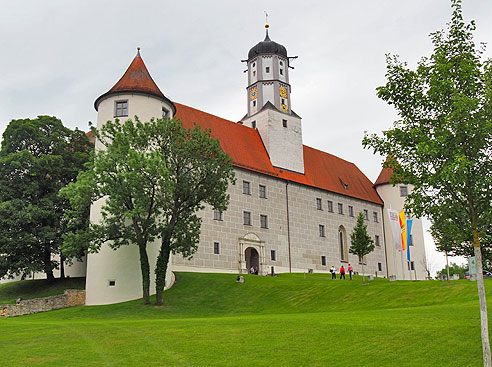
[(483, 303)]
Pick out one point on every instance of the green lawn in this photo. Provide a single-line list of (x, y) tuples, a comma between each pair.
[(209, 320)]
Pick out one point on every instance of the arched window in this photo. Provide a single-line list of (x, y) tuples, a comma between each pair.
[(342, 242)]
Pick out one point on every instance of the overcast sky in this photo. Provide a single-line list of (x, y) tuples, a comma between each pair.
[(59, 56)]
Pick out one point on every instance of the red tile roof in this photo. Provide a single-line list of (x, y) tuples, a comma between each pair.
[(384, 177), (136, 79), (245, 147)]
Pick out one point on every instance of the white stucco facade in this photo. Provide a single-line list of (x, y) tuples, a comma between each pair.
[(398, 263)]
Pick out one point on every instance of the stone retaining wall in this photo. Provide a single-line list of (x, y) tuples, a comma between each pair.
[(71, 297)]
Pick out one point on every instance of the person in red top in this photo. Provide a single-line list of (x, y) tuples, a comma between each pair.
[(350, 270), (342, 272)]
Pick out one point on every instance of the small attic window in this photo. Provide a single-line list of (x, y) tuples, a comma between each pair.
[(345, 186), (253, 124)]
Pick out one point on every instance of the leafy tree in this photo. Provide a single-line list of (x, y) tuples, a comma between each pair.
[(361, 244), (442, 143), (37, 158), (199, 173), (454, 269), (153, 177)]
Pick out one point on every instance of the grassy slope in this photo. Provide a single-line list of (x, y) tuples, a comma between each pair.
[(209, 320), (28, 289)]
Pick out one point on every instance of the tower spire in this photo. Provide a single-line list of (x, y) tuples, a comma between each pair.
[(266, 26)]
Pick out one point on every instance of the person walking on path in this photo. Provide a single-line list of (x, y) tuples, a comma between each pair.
[(350, 270), (342, 272), (333, 272)]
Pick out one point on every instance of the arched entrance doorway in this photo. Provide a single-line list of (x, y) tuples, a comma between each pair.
[(252, 259)]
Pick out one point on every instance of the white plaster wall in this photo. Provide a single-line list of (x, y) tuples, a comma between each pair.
[(285, 144), (267, 61), (392, 200), (121, 265), (268, 93)]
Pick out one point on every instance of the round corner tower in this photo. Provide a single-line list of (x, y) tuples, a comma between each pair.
[(115, 276)]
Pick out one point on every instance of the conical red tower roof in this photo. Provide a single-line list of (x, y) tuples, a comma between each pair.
[(136, 79), (384, 177)]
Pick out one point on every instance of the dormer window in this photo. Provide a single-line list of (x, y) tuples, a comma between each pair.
[(121, 109)]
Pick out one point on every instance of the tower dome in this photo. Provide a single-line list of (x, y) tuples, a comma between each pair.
[(267, 46)]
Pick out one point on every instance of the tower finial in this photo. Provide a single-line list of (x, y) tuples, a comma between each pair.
[(266, 20), (138, 51)]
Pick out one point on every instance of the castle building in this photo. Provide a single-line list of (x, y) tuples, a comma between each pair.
[(293, 207)]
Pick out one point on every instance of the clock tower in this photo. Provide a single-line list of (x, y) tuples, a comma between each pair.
[(269, 104)]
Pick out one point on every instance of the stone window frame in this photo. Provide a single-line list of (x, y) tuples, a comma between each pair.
[(330, 206), (264, 221), (218, 215), (216, 247), (321, 229), (323, 260), (366, 214), (319, 204), (376, 217), (247, 218), (377, 241), (246, 187), (340, 208), (350, 211), (273, 255), (262, 191)]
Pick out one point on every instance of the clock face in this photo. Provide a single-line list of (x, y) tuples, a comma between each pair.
[(254, 93), (284, 108), (283, 92)]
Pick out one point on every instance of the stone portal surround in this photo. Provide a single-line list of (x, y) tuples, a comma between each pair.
[(69, 298)]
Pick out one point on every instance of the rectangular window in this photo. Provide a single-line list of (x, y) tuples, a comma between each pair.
[(412, 265), (403, 191), (216, 248), (112, 283), (254, 105), (351, 211), (376, 241), (330, 206), (262, 191), (340, 208), (411, 240), (218, 215), (366, 214), (323, 260), (253, 123), (165, 112), (283, 101), (318, 204), (281, 71), (284, 123), (380, 267), (376, 218), (246, 188), (267, 69), (247, 218), (254, 73), (263, 221), (121, 108), (273, 255), (321, 230)]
